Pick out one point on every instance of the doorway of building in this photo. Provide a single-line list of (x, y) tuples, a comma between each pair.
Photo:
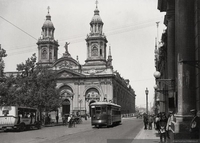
[(66, 107)]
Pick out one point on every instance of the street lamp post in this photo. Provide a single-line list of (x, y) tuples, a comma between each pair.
[(167, 86), (147, 92)]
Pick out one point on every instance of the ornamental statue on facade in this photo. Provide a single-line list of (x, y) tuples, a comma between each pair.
[(66, 54)]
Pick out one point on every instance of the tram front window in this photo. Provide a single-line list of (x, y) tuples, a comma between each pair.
[(103, 110), (98, 110)]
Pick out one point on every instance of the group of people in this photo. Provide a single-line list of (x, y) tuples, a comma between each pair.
[(71, 120), (47, 119), (148, 121), (163, 124)]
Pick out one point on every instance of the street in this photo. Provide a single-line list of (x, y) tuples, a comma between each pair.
[(82, 133)]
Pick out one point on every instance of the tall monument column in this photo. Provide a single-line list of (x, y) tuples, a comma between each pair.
[(185, 45)]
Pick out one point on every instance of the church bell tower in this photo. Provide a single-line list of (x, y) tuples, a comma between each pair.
[(96, 41), (47, 46)]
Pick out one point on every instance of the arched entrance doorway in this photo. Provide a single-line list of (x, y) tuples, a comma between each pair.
[(66, 93), (92, 95), (66, 107)]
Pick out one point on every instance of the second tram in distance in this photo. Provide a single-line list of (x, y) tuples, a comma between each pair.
[(105, 114)]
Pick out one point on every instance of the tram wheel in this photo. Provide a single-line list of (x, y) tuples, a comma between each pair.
[(97, 126), (21, 127), (38, 126)]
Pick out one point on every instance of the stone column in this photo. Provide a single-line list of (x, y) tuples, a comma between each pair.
[(170, 17), (47, 32), (185, 45), (185, 51), (93, 28)]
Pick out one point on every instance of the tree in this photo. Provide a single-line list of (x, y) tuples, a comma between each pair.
[(24, 81), (34, 86), (2, 64), (47, 95), (4, 85), (8, 91), (27, 69)]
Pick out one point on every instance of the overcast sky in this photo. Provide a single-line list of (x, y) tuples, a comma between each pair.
[(130, 27)]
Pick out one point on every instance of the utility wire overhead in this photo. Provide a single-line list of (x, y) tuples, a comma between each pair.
[(77, 39), (18, 28)]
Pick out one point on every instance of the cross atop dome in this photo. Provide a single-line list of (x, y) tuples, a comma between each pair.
[(48, 8), (96, 3)]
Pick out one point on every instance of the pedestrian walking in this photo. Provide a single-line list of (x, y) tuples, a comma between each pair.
[(69, 118), (158, 122), (154, 122), (145, 120), (170, 127), (194, 125), (150, 120), (57, 118), (162, 131), (49, 119), (71, 121)]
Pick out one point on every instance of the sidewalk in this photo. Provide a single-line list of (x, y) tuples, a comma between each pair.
[(147, 136), (152, 136)]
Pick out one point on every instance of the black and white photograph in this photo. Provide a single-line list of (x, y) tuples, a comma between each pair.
[(99, 71)]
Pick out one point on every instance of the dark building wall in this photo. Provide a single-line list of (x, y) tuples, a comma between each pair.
[(197, 50), (182, 21)]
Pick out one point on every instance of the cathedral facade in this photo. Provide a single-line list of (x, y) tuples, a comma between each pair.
[(80, 85)]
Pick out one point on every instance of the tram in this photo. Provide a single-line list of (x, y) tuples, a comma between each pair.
[(19, 118), (105, 114)]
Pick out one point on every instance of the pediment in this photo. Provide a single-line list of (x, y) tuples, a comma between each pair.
[(66, 73), (66, 62)]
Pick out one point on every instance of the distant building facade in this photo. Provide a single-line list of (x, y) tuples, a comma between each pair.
[(80, 85)]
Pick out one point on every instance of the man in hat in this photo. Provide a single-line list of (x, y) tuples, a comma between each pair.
[(194, 125), (170, 127), (145, 120)]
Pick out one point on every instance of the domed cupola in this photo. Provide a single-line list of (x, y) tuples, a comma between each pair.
[(48, 28), (48, 23), (96, 24), (96, 18)]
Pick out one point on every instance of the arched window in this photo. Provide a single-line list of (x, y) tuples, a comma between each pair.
[(50, 55), (65, 91), (44, 53), (94, 51), (100, 52), (92, 93)]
